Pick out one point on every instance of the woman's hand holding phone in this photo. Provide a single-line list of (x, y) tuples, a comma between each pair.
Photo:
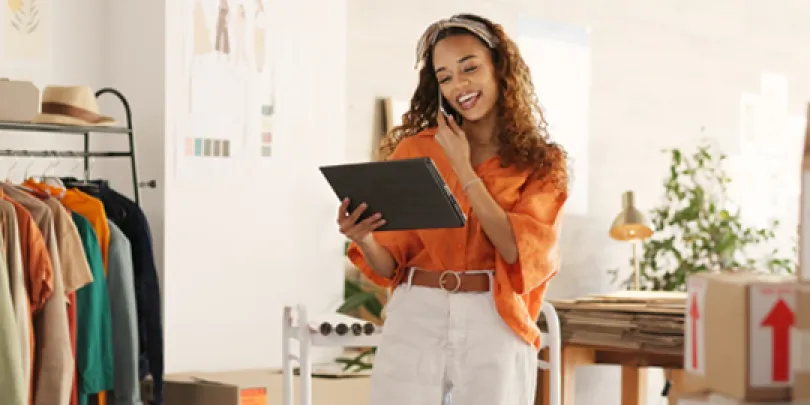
[(455, 144)]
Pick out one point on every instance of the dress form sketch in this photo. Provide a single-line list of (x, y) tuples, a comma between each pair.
[(223, 42), (240, 51), (202, 35), (260, 33)]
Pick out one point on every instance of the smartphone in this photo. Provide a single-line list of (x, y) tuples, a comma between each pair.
[(448, 111)]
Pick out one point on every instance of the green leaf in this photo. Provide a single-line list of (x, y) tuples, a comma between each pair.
[(351, 287), (356, 362), (697, 231), (356, 301), (374, 307)]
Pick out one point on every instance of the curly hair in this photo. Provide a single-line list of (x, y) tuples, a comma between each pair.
[(523, 140)]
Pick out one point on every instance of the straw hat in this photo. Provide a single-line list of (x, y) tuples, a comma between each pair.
[(70, 105)]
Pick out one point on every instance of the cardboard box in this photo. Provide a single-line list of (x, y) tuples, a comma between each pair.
[(694, 399), (801, 354), (19, 100), (801, 349), (738, 330), (717, 399), (804, 208), (257, 387)]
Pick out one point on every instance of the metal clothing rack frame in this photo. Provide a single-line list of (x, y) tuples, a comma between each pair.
[(86, 131)]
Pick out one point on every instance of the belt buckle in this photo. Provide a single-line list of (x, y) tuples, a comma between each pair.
[(442, 281)]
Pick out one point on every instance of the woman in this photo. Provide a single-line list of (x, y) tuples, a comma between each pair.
[(461, 319)]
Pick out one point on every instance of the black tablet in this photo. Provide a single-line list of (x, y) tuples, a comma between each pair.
[(409, 193)]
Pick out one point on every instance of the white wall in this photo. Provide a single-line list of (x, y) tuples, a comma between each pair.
[(231, 250), (661, 70), (74, 58), (90, 43), (240, 245)]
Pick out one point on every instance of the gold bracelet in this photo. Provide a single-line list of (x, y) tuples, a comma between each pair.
[(470, 183)]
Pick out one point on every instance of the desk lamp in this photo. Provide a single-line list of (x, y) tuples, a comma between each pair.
[(631, 226)]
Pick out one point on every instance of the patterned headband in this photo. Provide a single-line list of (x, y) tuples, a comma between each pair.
[(428, 38)]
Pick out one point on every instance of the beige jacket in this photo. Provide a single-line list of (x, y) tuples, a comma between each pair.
[(19, 296), (12, 380), (54, 355)]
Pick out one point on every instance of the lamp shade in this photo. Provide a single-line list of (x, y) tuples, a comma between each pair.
[(630, 224)]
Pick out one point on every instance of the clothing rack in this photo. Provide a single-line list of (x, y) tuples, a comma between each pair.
[(86, 131)]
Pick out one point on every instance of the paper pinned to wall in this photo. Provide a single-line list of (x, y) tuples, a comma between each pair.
[(26, 31), (231, 91), (559, 57)]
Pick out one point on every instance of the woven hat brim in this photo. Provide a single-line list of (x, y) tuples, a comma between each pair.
[(67, 120)]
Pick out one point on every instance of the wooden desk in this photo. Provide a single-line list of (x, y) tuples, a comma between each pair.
[(598, 331), (633, 363)]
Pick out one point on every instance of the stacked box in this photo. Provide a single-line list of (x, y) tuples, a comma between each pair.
[(717, 399), (801, 348), (801, 391), (738, 331)]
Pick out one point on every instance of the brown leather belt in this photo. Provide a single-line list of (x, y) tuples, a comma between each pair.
[(449, 280)]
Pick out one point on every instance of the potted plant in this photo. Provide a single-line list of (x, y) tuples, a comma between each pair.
[(697, 228)]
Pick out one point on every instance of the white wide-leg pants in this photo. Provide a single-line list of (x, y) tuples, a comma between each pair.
[(450, 348)]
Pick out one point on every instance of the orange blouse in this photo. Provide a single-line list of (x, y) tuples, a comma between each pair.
[(85, 205), (534, 208)]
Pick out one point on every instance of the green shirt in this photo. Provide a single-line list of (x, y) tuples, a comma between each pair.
[(94, 348)]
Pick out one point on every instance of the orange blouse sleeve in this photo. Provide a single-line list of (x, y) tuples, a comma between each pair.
[(535, 222), (403, 245)]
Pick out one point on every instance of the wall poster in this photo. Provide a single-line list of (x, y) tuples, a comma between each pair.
[(230, 92), (26, 31)]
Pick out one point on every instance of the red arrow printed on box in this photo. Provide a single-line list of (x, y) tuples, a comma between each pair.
[(780, 319), (694, 315)]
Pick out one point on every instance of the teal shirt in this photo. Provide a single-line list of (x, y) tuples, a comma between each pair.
[(94, 345)]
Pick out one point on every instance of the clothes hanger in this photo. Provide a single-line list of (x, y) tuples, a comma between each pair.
[(86, 183), (73, 181), (47, 180), (10, 168), (52, 180), (27, 168)]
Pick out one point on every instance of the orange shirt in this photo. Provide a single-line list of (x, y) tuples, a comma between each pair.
[(85, 205), (534, 208)]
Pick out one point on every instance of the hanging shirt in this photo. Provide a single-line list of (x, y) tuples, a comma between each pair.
[(74, 392), (121, 287), (94, 354), (534, 209), (19, 295), (75, 269), (12, 381), (85, 205), (129, 217), (90, 208), (37, 268), (53, 362)]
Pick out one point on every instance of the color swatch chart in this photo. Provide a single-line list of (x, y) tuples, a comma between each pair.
[(204, 147)]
